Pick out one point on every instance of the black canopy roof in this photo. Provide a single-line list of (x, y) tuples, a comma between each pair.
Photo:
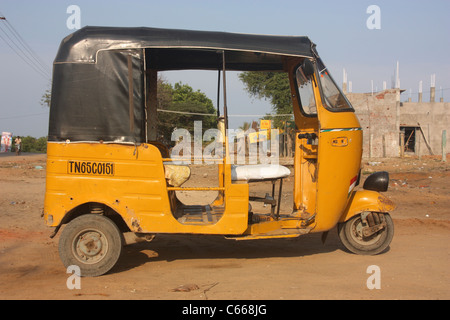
[(83, 45), (99, 88)]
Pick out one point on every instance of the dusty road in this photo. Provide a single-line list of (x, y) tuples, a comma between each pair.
[(416, 266)]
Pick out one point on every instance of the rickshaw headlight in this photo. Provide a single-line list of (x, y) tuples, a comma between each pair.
[(378, 181)]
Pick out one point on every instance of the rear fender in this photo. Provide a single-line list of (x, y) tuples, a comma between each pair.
[(365, 200)]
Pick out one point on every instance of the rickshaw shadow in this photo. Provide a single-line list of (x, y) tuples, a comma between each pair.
[(169, 248)]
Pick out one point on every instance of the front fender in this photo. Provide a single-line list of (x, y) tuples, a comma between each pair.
[(365, 200)]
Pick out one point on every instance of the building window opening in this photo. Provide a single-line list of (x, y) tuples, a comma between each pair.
[(409, 136)]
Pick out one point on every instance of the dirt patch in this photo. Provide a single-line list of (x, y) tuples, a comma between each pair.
[(179, 267)]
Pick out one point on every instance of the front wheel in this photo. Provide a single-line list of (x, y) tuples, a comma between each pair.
[(91, 242), (367, 233)]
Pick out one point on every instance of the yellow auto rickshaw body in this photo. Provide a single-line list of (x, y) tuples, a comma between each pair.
[(134, 187), (104, 158)]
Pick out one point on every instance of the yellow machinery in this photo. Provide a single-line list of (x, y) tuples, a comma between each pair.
[(107, 173)]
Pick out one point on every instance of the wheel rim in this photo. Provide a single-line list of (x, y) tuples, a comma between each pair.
[(357, 235), (90, 246)]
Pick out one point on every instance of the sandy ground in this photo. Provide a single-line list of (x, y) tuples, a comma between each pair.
[(416, 266)]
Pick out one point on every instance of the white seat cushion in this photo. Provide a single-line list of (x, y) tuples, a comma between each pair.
[(258, 172)]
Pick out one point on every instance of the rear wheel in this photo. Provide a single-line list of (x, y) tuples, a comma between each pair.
[(91, 242), (368, 233)]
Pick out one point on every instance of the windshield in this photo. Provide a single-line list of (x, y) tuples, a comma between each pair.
[(334, 99)]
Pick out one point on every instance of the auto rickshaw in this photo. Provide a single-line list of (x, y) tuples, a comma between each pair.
[(107, 173)]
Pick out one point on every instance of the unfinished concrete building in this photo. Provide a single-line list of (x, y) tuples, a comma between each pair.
[(393, 128)]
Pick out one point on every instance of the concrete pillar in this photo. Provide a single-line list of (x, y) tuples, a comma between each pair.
[(420, 92), (433, 88), (402, 144), (418, 151), (344, 81), (432, 94)]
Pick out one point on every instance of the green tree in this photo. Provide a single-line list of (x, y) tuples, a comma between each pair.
[(273, 86), (184, 93), (182, 99), (245, 126), (46, 98), (41, 144)]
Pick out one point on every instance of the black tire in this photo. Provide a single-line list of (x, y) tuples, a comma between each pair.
[(93, 243), (355, 242)]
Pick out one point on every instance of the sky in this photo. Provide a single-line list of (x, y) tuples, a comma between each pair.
[(416, 34)]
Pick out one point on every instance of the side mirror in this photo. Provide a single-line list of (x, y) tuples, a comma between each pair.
[(307, 67)]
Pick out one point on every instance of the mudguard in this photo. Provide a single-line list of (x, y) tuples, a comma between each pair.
[(365, 200)]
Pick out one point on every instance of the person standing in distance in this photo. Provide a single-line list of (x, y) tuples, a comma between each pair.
[(18, 144)]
